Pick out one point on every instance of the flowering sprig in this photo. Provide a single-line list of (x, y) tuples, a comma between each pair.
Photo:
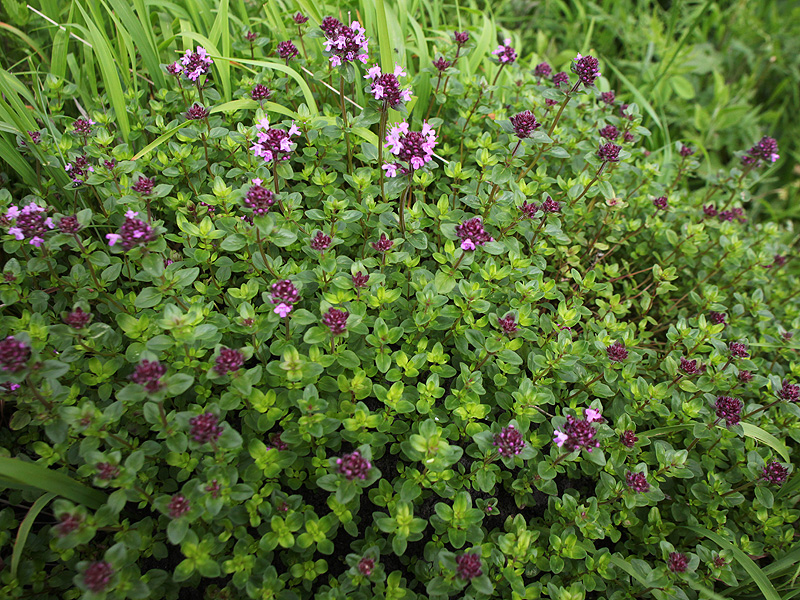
[(133, 233), (272, 144), (415, 148), (345, 44), (29, 223), (350, 473), (386, 86)]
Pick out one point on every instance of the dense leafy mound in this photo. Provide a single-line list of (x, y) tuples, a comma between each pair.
[(322, 326)]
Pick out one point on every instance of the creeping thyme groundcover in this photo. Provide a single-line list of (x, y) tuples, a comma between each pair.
[(271, 342)]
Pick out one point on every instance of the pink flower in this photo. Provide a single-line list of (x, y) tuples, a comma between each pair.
[(37, 241), (467, 245), (17, 232), (390, 168), (282, 310), (560, 438), (13, 212), (130, 214), (592, 415), (113, 238)]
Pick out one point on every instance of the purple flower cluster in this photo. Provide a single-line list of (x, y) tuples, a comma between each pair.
[(260, 92), (775, 473), (321, 242), (194, 64), (661, 203), (68, 523), (542, 70), (686, 151), (14, 354), (628, 438), (508, 325), (608, 97), (344, 43), (259, 199), (196, 112), (30, 223), (441, 65), (505, 53), (412, 147), (365, 566), (143, 185), (336, 320), (609, 152), (384, 244), (738, 350), (766, 149), (284, 296), (276, 442), (717, 318), (178, 506), (386, 86), (637, 482), (106, 471), (729, 409), (524, 124), (97, 576), (300, 18), (744, 376), (78, 319), (577, 435), (78, 169), (287, 51), (134, 232), (587, 69), (617, 352), (472, 234), (609, 132), (789, 392), (273, 144), (149, 373), (353, 466), (82, 127), (691, 367), (360, 280), (677, 562), (460, 38), (228, 361), (205, 428), (509, 441), (558, 79), (468, 565)]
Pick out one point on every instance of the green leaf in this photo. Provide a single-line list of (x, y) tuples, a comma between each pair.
[(767, 438), (148, 298), (17, 472), (25, 529)]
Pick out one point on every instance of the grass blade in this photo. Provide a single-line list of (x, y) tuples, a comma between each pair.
[(25, 529), (20, 472), (770, 440), (756, 574)]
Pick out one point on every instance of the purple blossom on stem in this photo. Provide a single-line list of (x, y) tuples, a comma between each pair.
[(299, 18), (68, 523), (345, 44), (149, 373), (273, 144), (78, 319), (550, 206), (608, 97), (143, 186), (194, 64), (259, 199), (106, 471), (529, 210), (609, 132), (178, 506), (14, 354), (413, 147), (609, 152), (196, 112), (505, 53), (507, 325), (677, 562), (744, 376), (287, 51), (260, 92), (775, 473), (468, 565), (559, 78), (69, 224), (35, 136), (524, 124), (386, 86), (717, 318), (691, 367), (460, 37), (365, 566), (738, 350), (586, 67), (321, 242), (83, 127), (229, 360), (276, 442), (637, 482), (617, 352), (134, 232), (661, 203), (728, 408), (360, 280), (686, 151), (353, 466), (709, 210), (97, 576), (789, 392), (384, 244), (766, 149), (441, 65), (509, 441), (628, 438), (284, 291), (472, 233), (250, 36), (336, 320), (542, 70), (577, 435), (205, 428), (31, 223)]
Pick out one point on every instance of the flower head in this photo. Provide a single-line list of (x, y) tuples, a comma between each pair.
[(472, 230), (577, 435), (637, 482), (507, 324), (524, 124), (276, 442), (560, 77), (336, 320), (609, 132), (460, 37), (617, 352), (321, 241), (365, 566), (691, 367), (413, 147), (717, 318), (593, 416), (273, 144), (384, 244), (229, 361), (441, 65), (678, 562), (106, 471), (608, 97), (35, 136), (282, 310), (729, 409), (542, 70), (775, 473), (78, 319), (345, 44), (287, 50), (69, 224), (505, 53), (284, 291), (260, 92), (178, 506), (68, 523), (766, 149), (509, 441), (259, 199), (468, 565), (360, 280), (251, 36), (14, 354), (205, 428), (353, 466), (149, 373), (299, 18), (386, 86), (194, 64), (709, 210), (628, 438), (789, 392), (738, 350), (686, 151), (97, 576), (661, 203), (83, 127), (586, 67), (744, 376), (609, 152), (134, 232), (143, 186), (196, 112)]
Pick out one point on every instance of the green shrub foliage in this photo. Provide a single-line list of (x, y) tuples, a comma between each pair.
[(316, 336)]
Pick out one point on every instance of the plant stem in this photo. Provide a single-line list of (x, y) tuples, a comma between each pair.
[(346, 125)]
